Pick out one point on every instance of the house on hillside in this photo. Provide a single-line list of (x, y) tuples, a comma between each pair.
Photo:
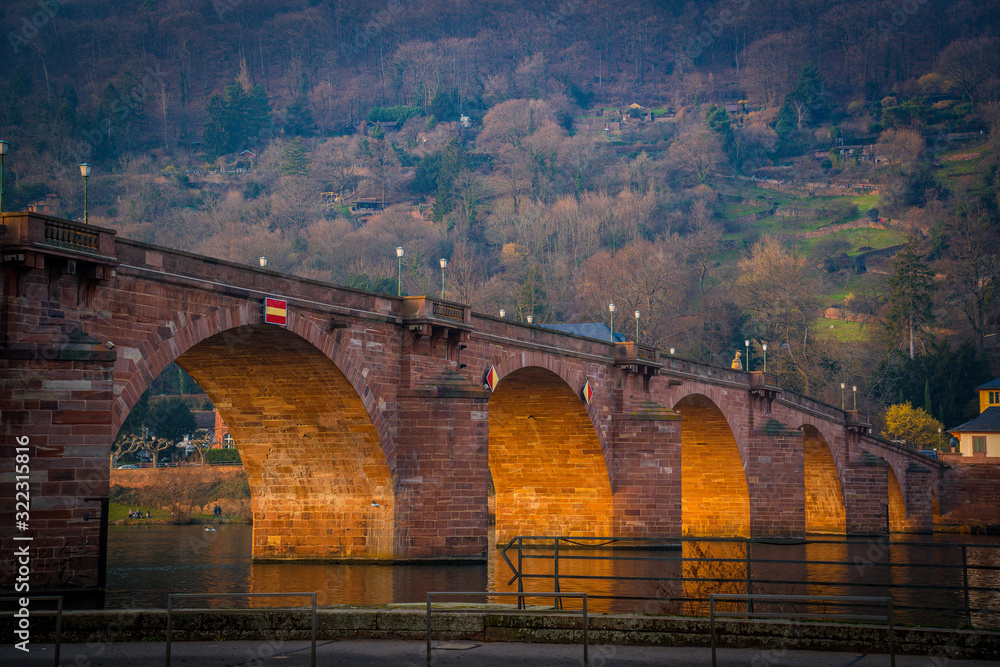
[(48, 205), (980, 437)]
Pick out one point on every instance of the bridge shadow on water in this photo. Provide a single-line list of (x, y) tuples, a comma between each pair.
[(924, 575)]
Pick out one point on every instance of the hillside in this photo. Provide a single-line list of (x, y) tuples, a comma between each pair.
[(731, 170)]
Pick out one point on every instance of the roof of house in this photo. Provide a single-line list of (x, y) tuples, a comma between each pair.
[(992, 384), (987, 422), (596, 330)]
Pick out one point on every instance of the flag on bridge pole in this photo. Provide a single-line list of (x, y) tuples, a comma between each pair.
[(275, 311), (492, 378)]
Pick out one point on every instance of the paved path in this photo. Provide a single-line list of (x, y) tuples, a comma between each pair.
[(360, 653)]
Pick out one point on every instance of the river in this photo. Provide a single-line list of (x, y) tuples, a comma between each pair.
[(145, 563)]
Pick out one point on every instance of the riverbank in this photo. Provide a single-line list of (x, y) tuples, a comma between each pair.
[(502, 623), (182, 495)]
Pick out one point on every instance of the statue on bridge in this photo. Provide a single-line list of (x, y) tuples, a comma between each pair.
[(737, 365)]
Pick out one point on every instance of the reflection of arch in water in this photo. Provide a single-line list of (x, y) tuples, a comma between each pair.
[(546, 462), (715, 499), (824, 496), (897, 506)]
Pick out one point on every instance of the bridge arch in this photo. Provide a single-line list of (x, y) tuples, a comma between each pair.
[(546, 461), (715, 497), (824, 494), (156, 356), (302, 415)]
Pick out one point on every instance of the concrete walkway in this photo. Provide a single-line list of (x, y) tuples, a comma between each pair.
[(359, 653)]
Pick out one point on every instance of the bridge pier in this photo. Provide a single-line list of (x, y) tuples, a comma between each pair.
[(776, 480), (917, 496), (56, 406), (866, 495), (646, 471), (442, 470)]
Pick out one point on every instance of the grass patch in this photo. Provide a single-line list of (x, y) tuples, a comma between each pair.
[(844, 331), (118, 512)]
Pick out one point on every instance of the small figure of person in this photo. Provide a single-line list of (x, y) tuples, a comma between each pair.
[(148, 515), (737, 365)]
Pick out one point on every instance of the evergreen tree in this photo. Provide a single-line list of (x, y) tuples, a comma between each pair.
[(295, 161), (235, 118), (911, 287), (298, 118)]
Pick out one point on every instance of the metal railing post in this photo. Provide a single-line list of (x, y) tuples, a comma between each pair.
[(557, 602), (59, 611), (892, 639), (520, 575), (429, 629), (965, 585), (586, 658), (312, 661), (711, 622), (170, 611), (749, 583)]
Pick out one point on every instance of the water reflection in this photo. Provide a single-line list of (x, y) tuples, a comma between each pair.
[(147, 562)]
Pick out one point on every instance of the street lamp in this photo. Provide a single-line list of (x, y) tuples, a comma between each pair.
[(764, 345), (263, 262), (637, 327), (855, 390), (611, 307), (842, 385), (671, 352), (503, 313), (443, 263), (399, 274), (85, 170), (3, 151), (747, 343), (531, 318)]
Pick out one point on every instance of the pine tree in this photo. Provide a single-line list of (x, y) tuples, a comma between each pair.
[(911, 287), (295, 161)]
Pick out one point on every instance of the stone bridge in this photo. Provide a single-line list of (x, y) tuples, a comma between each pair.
[(368, 429)]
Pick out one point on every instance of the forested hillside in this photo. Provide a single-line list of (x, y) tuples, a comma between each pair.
[(820, 176)]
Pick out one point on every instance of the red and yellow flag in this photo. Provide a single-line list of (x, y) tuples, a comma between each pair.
[(275, 311), (492, 378)]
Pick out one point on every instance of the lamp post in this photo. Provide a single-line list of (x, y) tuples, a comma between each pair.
[(671, 352), (637, 327), (503, 313), (611, 307), (747, 344), (764, 345), (399, 272), (3, 151), (531, 318), (263, 262), (443, 263), (842, 385), (854, 388), (85, 170)]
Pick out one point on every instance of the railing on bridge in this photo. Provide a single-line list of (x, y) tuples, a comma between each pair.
[(421, 309), (71, 235), (764, 380), (630, 351), (931, 583)]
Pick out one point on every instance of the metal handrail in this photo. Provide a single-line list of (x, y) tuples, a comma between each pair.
[(963, 589), (171, 610), (58, 612), (838, 600), (520, 598)]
